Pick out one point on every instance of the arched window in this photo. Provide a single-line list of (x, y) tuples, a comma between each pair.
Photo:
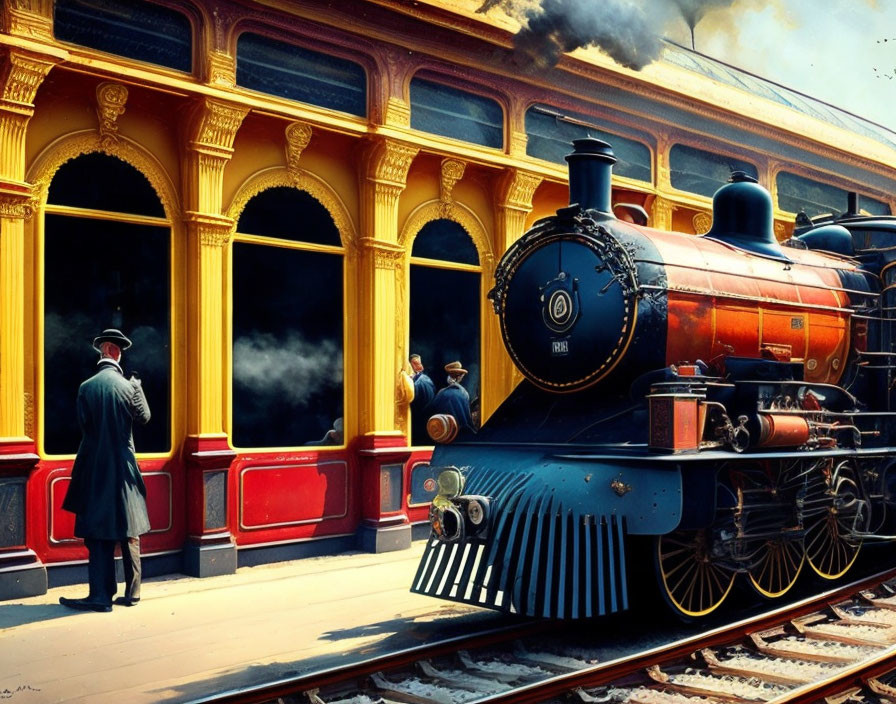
[(107, 264), (445, 309), (288, 378)]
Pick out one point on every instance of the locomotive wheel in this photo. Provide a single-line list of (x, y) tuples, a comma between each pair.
[(778, 565), (830, 549), (691, 580)]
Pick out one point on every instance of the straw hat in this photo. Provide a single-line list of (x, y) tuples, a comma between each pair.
[(455, 369)]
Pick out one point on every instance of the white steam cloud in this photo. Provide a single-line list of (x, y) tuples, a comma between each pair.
[(629, 31), (292, 369)]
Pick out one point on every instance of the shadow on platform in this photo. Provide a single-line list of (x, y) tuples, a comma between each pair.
[(22, 614)]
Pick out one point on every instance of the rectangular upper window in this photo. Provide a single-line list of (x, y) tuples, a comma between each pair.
[(550, 136), (450, 112), (798, 193), (702, 172), (289, 71), (132, 28)]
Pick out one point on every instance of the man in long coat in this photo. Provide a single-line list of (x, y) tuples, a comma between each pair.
[(106, 493)]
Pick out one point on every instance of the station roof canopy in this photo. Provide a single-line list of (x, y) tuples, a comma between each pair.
[(738, 78)]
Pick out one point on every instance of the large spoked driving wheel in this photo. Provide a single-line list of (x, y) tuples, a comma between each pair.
[(831, 542), (691, 580), (776, 567)]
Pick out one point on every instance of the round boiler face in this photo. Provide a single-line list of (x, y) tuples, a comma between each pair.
[(568, 312)]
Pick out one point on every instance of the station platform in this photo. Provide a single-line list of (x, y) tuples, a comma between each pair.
[(189, 638)]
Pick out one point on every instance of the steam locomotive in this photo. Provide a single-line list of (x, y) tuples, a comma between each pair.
[(727, 397)]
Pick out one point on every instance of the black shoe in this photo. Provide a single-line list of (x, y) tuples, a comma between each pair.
[(126, 601), (85, 604)]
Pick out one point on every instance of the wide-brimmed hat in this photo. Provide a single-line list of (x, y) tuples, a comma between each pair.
[(111, 335), (454, 368)]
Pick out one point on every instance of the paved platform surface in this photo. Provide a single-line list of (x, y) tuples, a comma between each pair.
[(188, 637)]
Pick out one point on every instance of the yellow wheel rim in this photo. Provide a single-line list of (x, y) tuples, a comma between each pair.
[(827, 550), (692, 583), (778, 567)]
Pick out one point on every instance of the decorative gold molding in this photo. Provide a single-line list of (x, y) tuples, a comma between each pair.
[(213, 230), (518, 189), (387, 255), (389, 162), (398, 112), (15, 204), (311, 184), (518, 142), (298, 135), (662, 213), (29, 414), (29, 18), (78, 143), (110, 101), (20, 76), (216, 126), (702, 223), (221, 69), (452, 171)]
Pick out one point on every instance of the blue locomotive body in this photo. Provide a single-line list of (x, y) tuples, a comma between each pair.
[(650, 409)]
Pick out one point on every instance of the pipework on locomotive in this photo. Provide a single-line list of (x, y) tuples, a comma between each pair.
[(727, 396)]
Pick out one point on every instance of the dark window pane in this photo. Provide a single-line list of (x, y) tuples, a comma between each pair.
[(101, 274), (104, 182), (796, 193), (450, 112), (873, 207), (287, 345), (290, 214), (445, 328), (551, 139), (698, 171), (278, 68), (132, 28), (445, 240)]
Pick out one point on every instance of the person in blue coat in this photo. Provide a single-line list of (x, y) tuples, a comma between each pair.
[(424, 392), (453, 399), (107, 493)]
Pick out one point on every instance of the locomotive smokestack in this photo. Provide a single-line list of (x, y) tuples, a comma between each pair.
[(590, 172)]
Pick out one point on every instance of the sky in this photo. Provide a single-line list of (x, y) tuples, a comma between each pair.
[(840, 51)]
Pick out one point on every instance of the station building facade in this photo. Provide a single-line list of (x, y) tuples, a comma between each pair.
[(278, 203)]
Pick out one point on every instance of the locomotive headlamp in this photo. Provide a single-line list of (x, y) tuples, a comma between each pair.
[(451, 483), (476, 510)]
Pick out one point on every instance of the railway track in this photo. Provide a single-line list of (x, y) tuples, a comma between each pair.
[(838, 647)]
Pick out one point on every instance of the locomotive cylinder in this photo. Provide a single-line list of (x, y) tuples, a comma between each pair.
[(781, 430)]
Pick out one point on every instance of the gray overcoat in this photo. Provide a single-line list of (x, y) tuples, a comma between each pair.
[(107, 493)]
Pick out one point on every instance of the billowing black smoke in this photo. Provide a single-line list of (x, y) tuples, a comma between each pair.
[(629, 31)]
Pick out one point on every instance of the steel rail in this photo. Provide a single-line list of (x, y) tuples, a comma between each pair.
[(614, 670), (271, 691), (842, 681)]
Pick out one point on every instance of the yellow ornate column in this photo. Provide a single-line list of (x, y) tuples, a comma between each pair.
[(513, 203), (210, 550), (382, 447), (661, 218), (21, 73), (662, 207)]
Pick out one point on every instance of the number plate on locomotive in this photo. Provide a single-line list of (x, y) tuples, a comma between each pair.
[(559, 348)]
